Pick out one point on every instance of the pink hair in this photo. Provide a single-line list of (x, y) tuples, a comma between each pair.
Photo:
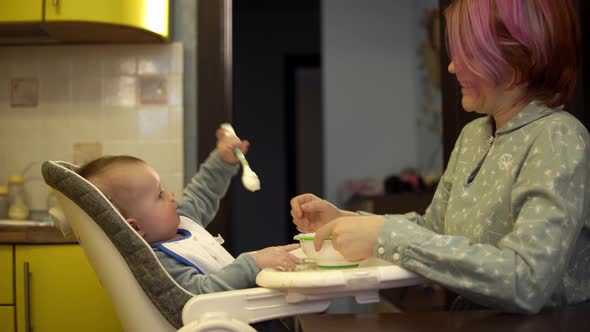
[(534, 43)]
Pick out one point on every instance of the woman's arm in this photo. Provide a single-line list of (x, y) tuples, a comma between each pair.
[(434, 217), (548, 204)]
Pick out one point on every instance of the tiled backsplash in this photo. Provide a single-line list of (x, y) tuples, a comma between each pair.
[(126, 98)]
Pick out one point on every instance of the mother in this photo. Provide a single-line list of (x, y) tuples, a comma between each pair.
[(509, 225)]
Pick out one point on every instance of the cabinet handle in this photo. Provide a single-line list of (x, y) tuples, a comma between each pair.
[(27, 299), (55, 3)]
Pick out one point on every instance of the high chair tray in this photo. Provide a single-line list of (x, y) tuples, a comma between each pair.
[(309, 278)]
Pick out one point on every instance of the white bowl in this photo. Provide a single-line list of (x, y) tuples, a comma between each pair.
[(327, 256)]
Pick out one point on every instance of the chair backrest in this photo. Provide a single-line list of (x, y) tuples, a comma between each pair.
[(145, 297)]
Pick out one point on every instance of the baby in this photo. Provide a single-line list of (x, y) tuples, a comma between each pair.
[(176, 232)]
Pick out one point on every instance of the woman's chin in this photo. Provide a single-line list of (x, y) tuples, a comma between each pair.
[(467, 106)]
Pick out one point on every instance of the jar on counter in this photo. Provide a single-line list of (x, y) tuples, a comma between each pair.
[(4, 203), (18, 209)]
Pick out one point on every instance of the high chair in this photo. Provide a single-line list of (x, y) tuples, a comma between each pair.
[(146, 298)]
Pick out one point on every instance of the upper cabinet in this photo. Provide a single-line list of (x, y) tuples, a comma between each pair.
[(83, 21), (22, 11)]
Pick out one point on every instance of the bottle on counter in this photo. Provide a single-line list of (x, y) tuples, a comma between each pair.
[(18, 209), (4, 204)]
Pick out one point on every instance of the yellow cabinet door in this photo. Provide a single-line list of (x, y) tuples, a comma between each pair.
[(21, 11), (151, 15), (6, 318), (6, 275), (64, 294)]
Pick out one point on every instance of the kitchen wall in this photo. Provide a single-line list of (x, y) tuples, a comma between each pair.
[(99, 99)]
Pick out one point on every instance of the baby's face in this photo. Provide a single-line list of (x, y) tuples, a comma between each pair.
[(144, 202)]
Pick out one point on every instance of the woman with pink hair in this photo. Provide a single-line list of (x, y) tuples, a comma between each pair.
[(509, 225)]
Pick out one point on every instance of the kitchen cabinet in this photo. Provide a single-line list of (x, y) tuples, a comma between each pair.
[(21, 11), (6, 318), (94, 20), (6, 289), (89, 21), (60, 291), (6, 275), (142, 14)]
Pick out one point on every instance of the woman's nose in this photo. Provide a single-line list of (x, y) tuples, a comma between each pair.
[(451, 68)]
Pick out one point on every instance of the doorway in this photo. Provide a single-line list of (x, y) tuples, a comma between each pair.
[(304, 127), (274, 44)]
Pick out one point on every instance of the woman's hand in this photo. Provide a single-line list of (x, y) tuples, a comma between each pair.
[(277, 257), (226, 143), (353, 237), (310, 212)]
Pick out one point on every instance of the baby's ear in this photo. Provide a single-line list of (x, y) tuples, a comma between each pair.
[(135, 225)]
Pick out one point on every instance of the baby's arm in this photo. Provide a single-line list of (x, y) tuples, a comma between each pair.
[(207, 187), (239, 274)]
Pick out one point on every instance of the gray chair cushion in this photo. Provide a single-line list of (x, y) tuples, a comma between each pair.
[(164, 293)]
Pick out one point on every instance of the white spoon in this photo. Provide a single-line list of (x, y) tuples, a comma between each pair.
[(249, 178)]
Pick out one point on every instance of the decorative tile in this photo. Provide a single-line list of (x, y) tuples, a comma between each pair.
[(153, 90), (75, 98), (24, 92)]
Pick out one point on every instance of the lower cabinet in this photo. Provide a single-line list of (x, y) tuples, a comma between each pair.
[(6, 318), (57, 290), (6, 289)]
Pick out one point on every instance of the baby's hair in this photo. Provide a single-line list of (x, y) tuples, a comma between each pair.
[(98, 165)]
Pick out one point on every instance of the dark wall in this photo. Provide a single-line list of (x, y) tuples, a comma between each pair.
[(264, 34)]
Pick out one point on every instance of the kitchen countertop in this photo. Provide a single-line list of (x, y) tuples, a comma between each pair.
[(31, 232)]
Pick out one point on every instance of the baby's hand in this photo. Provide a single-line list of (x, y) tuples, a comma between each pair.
[(226, 144), (277, 257)]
